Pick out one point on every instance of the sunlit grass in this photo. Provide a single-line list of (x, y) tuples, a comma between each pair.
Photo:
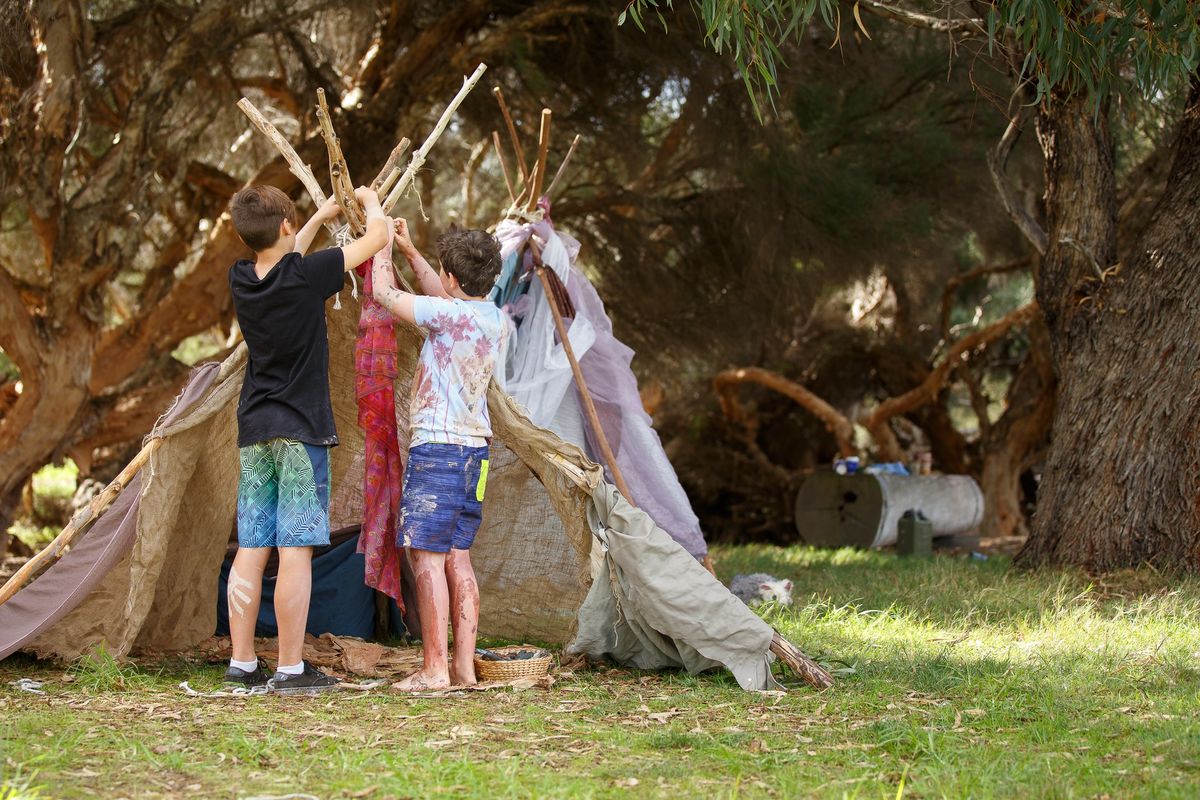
[(957, 678)]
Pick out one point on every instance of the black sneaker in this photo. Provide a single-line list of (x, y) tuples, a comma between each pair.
[(240, 678), (310, 681)]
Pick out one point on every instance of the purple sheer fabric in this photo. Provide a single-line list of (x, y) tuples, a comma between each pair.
[(606, 369)]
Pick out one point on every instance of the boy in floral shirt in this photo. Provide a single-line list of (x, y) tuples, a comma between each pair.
[(446, 474)]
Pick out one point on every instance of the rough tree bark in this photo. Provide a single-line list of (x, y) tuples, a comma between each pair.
[(1122, 480)]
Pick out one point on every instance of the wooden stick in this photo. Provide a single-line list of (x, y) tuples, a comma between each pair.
[(298, 167), (512, 199), (418, 159), (563, 166), (539, 169), (589, 406), (391, 169), (339, 173), (79, 523), (512, 134), (812, 672)]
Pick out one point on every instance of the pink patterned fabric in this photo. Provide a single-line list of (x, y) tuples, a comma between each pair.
[(375, 372)]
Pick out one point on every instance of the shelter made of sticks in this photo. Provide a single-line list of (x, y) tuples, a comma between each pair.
[(562, 556)]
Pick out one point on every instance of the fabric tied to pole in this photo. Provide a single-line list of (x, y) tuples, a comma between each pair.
[(374, 377)]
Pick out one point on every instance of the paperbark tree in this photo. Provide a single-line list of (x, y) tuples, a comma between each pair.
[(1121, 479), (1122, 482)]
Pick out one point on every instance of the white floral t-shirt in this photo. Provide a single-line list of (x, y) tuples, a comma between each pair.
[(449, 399)]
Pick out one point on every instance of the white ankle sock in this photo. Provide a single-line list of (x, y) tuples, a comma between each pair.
[(244, 666), (294, 669)]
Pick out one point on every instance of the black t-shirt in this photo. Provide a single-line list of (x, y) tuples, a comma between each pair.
[(286, 390)]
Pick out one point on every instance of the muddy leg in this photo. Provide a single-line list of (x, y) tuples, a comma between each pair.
[(433, 603), (464, 615)]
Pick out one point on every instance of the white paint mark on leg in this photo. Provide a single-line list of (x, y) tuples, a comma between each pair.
[(238, 594)]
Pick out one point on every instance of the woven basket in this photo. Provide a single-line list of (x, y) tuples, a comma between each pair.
[(511, 670)]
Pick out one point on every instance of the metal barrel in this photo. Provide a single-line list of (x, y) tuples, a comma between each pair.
[(864, 510)]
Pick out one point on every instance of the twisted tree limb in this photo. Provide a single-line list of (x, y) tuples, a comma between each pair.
[(957, 281), (914, 19), (877, 422), (726, 383)]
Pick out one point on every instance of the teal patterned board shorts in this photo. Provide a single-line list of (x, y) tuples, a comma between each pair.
[(283, 495)]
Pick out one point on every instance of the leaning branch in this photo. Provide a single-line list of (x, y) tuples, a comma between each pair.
[(391, 169), (727, 382), (512, 134), (78, 524), (562, 168), (997, 160), (295, 163), (339, 173)]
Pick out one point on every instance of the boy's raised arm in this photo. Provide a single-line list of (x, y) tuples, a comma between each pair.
[(383, 288), (326, 213), (431, 284), (378, 234)]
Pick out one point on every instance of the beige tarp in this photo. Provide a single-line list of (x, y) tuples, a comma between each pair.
[(657, 606), (532, 562)]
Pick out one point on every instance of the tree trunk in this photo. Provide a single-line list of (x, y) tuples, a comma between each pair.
[(1016, 441), (1123, 476), (53, 398)]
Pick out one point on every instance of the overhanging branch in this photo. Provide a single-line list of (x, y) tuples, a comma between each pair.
[(914, 19)]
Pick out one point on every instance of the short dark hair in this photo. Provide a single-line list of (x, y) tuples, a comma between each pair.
[(472, 257), (257, 212)]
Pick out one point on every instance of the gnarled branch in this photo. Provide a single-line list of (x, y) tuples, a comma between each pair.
[(877, 422), (726, 383)]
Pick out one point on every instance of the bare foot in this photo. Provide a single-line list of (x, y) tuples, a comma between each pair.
[(419, 681), (463, 677)]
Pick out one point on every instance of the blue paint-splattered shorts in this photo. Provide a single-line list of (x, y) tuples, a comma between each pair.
[(283, 495), (442, 504)]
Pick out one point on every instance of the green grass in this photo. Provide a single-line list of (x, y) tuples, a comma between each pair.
[(957, 678), (53, 487), (56, 481)]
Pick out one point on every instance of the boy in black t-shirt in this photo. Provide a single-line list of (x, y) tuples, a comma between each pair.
[(285, 419)]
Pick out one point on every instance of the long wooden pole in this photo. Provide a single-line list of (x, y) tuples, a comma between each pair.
[(78, 524), (297, 165), (512, 134), (418, 159), (589, 406), (539, 168), (503, 169)]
